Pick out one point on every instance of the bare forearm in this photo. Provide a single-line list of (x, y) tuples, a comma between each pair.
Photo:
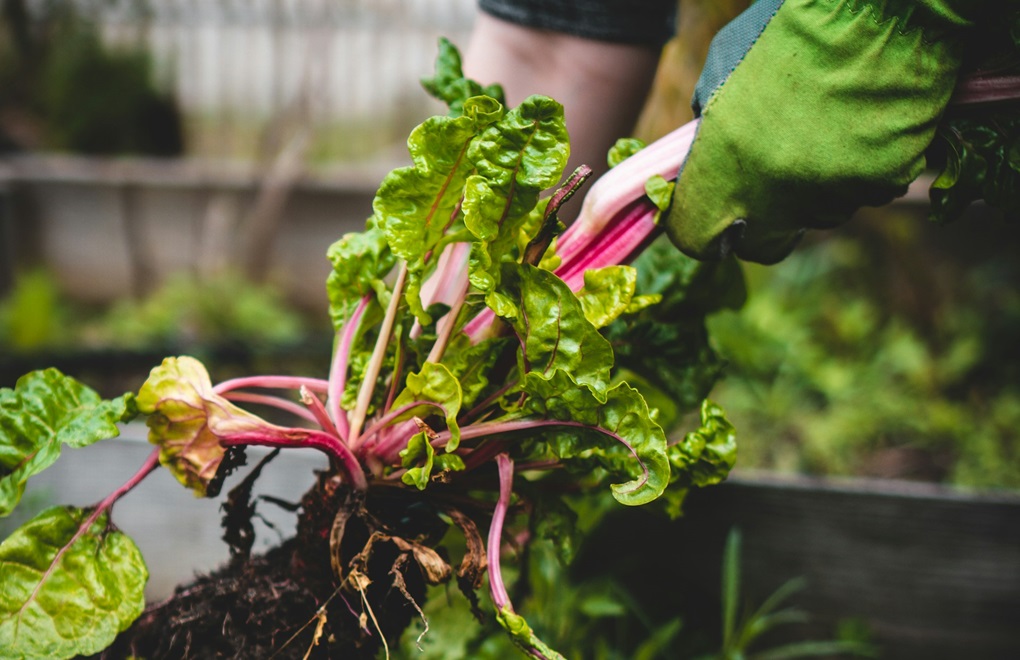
[(602, 85)]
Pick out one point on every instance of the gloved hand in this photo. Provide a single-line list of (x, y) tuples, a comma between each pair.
[(811, 109)]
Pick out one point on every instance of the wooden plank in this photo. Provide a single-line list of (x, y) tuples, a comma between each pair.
[(933, 573)]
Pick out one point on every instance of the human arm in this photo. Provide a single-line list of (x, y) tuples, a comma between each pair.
[(601, 79)]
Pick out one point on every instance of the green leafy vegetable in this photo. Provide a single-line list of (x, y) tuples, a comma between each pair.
[(617, 434), (183, 417), (667, 343), (608, 292), (419, 449), (449, 84), (434, 386), (554, 331), (706, 455), (45, 411), (415, 205), (70, 584), (360, 262), (515, 160)]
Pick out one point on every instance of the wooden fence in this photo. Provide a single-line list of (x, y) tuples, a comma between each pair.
[(349, 68)]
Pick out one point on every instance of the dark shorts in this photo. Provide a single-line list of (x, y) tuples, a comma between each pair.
[(641, 22)]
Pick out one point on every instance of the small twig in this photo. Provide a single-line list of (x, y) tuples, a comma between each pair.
[(315, 617), (317, 635), (364, 599)]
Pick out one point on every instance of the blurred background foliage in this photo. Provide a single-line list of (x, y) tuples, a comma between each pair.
[(62, 87), (235, 326), (183, 312), (885, 349)]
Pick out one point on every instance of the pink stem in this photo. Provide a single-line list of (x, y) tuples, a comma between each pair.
[(616, 243), (338, 370), (500, 598), (489, 400), (622, 239), (625, 183), (483, 454), (274, 401), (449, 278), (478, 327), (318, 411), (272, 382), (447, 324), (150, 464), (320, 440)]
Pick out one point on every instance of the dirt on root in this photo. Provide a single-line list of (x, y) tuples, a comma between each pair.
[(286, 603)]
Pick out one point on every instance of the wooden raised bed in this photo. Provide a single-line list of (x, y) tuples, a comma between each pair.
[(930, 571)]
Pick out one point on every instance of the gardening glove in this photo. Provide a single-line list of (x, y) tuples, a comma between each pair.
[(810, 109)]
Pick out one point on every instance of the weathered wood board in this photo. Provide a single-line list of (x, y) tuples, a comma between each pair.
[(931, 572)]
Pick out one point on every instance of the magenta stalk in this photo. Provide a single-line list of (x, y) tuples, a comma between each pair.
[(298, 438), (500, 598)]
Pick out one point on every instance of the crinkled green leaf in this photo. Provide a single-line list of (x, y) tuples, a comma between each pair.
[(187, 421), (638, 303), (12, 484), (45, 411), (449, 84), (667, 343), (471, 364), (448, 463), (415, 205), (65, 594), (626, 415), (360, 262), (554, 331), (706, 455), (419, 450), (558, 396), (607, 293), (553, 521), (663, 407), (623, 149), (432, 388), (618, 434), (515, 160)]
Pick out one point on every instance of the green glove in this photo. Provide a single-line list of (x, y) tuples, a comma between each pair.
[(811, 109)]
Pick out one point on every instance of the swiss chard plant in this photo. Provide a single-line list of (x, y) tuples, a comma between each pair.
[(487, 362)]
